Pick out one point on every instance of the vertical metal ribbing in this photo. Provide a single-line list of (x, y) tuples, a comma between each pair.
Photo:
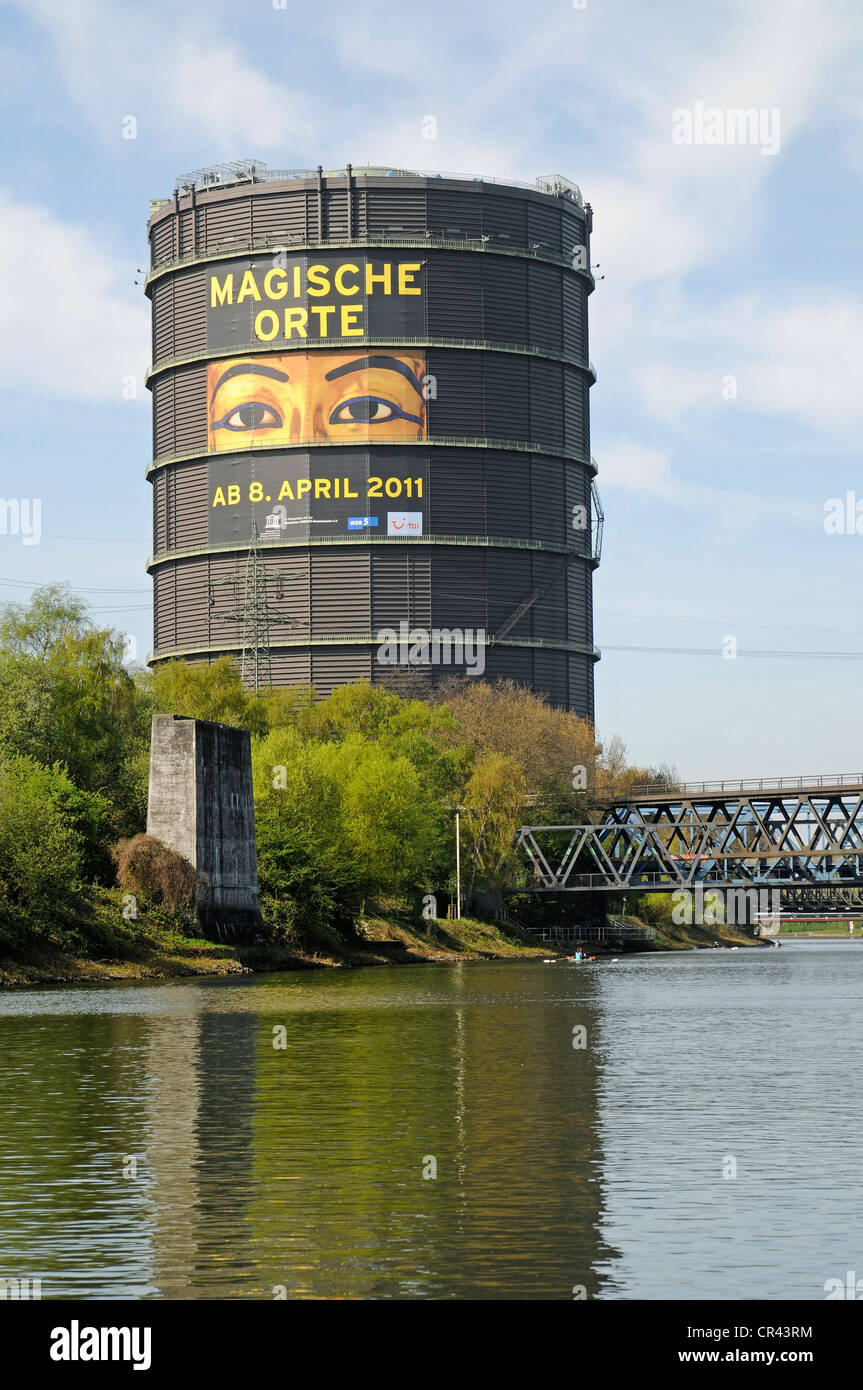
[(502, 394)]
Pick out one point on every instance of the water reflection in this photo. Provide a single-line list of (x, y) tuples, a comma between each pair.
[(260, 1168), (301, 1168)]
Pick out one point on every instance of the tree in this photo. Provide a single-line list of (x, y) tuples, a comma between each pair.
[(507, 718), (307, 873), (426, 735), (493, 803), (52, 616), (288, 706), (67, 697), (208, 690), (395, 824), (338, 822), (41, 846)]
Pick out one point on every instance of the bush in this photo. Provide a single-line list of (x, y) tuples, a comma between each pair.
[(41, 849), (155, 873), (655, 909)]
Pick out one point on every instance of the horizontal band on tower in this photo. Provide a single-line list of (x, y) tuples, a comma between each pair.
[(278, 243), (486, 542), (339, 345), (441, 441), (369, 640)]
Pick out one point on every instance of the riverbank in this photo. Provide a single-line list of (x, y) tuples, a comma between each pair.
[(701, 937), (665, 939), (99, 945), (95, 949)]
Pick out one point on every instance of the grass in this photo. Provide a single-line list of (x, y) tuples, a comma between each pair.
[(96, 943), (672, 938), (839, 929)]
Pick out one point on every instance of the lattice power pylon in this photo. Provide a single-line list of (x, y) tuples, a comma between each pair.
[(256, 606)]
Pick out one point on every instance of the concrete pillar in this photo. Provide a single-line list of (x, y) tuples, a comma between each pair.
[(200, 804)]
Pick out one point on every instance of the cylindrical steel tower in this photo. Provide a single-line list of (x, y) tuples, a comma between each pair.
[(371, 446)]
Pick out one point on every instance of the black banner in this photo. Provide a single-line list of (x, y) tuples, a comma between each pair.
[(290, 299), (109, 1341), (308, 494)]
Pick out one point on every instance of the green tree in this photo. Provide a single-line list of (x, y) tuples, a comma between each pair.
[(42, 847), (493, 805), (67, 697), (395, 822), (307, 872), (427, 735), (202, 690), (52, 616)]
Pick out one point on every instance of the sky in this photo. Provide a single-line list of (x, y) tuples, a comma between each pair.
[(727, 330)]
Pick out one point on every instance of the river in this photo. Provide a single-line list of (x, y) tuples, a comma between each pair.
[(439, 1131)]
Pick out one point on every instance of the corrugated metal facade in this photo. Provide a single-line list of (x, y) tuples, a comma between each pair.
[(484, 298), (506, 460)]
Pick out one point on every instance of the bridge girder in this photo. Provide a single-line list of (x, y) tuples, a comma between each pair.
[(770, 839)]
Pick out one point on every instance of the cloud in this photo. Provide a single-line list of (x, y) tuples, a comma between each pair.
[(800, 360), (647, 473), (675, 207), (635, 468), (69, 323), (176, 73), (215, 92)]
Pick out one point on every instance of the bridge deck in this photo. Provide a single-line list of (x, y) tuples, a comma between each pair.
[(656, 792)]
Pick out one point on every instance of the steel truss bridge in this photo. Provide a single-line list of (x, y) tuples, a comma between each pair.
[(802, 835)]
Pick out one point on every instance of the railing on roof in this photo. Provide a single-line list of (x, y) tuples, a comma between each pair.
[(256, 171)]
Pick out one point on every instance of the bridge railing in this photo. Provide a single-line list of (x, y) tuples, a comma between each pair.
[(648, 882), (611, 931), (642, 791)]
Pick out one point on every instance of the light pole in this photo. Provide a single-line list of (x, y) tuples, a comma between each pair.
[(457, 867)]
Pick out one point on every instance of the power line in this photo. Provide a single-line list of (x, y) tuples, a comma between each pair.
[(40, 584), (727, 622), (717, 651), (125, 540)]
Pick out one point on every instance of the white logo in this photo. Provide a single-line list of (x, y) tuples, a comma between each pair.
[(77, 1343), (440, 646), (404, 523)]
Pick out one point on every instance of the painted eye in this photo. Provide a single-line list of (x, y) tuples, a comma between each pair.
[(365, 410), (254, 415)]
